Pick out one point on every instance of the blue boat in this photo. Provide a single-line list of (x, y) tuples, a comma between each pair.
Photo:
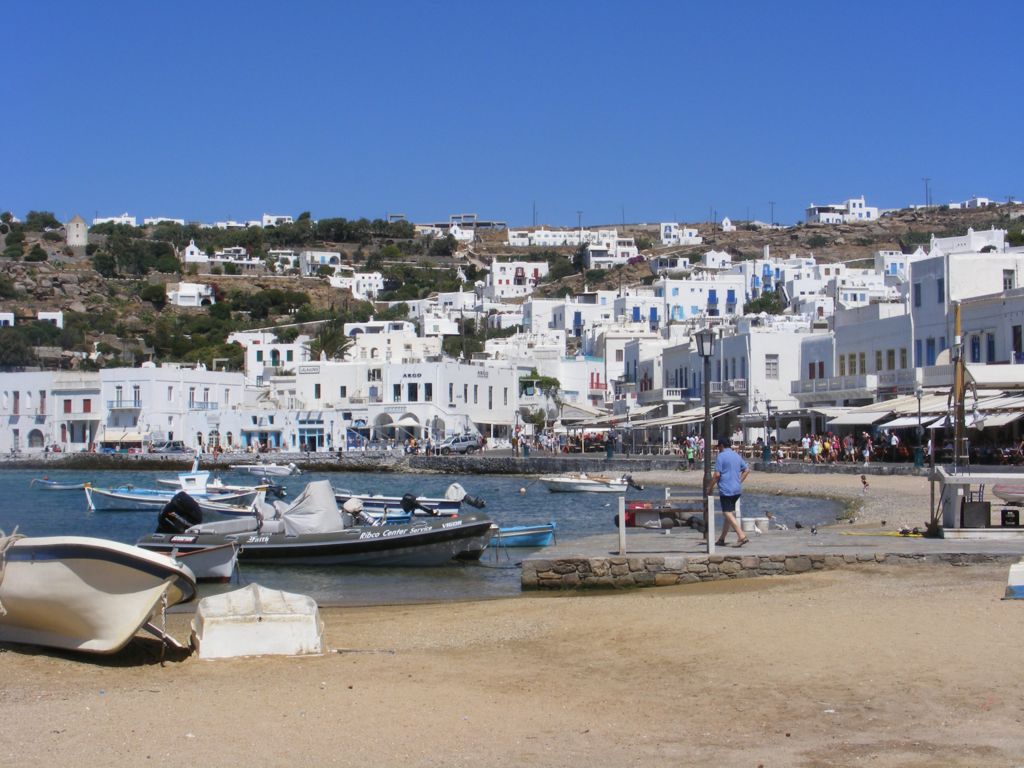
[(541, 535)]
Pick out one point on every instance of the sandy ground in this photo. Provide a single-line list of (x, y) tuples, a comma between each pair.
[(893, 665)]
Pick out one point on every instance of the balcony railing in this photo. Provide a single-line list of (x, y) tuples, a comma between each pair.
[(203, 406), (124, 405), (861, 383), (729, 387)]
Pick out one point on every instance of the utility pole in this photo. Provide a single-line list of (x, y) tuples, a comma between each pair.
[(771, 204), (535, 213), (579, 220), (927, 192)]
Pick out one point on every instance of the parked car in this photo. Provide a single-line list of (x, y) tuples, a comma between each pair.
[(169, 446), (458, 444)]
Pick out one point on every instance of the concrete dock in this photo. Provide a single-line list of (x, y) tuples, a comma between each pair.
[(679, 556)]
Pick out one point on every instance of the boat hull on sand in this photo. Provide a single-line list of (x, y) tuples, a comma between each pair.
[(84, 594)]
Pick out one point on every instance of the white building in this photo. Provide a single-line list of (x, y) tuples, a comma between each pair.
[(43, 409), (513, 279), (6, 319), (124, 218), (190, 294), (236, 255), (364, 286), (673, 233), (265, 355), (555, 238), (193, 254), (310, 262), (274, 220), (169, 402), (610, 253), (284, 259), (389, 341), (53, 318), (713, 295), (847, 212), (669, 264), (76, 232), (727, 225)]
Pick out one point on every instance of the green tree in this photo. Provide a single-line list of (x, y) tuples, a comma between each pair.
[(768, 302), (104, 263), (155, 294), (7, 290), (36, 253), (15, 352), (38, 221)]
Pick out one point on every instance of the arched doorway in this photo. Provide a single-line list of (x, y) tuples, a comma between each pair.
[(35, 439)]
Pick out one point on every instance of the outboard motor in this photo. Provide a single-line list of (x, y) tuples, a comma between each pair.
[(632, 483), (410, 504), (179, 514), (353, 510), (456, 492)]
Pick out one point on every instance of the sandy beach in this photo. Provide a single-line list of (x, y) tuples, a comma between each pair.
[(893, 665)]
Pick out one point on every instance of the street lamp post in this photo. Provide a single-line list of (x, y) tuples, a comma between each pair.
[(705, 348), (766, 451), (918, 453)]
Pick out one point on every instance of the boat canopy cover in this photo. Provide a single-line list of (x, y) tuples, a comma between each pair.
[(314, 511)]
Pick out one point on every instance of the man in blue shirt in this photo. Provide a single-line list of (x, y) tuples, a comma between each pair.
[(730, 472)]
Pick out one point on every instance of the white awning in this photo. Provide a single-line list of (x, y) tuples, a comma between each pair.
[(861, 418), (997, 376), (986, 420), (906, 421)]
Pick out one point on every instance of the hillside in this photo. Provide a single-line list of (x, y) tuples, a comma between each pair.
[(119, 308)]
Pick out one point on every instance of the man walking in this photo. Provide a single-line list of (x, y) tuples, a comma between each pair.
[(730, 472)]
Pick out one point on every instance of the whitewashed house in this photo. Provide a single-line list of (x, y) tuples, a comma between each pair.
[(513, 279), (124, 218), (265, 354), (190, 294), (364, 286), (53, 318), (284, 259), (847, 212), (274, 220), (310, 262), (673, 233)]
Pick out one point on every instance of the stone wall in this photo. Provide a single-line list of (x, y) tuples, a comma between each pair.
[(476, 464), (616, 572)]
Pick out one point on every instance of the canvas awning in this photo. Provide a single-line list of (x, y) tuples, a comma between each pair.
[(859, 418), (906, 421)]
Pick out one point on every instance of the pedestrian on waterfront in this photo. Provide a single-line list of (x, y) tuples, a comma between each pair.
[(730, 472), (690, 454), (864, 484)]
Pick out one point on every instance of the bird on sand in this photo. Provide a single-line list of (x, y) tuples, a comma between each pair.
[(798, 525)]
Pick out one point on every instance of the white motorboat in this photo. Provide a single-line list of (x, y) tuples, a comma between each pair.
[(377, 505), (581, 482), (84, 594), (268, 470)]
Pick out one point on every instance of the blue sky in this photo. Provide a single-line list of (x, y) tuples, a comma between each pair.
[(658, 111)]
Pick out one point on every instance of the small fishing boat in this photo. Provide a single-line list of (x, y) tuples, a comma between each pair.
[(84, 594), (541, 535), (581, 482), (1011, 493), (268, 470), (215, 563), (45, 484), (313, 531), (130, 496)]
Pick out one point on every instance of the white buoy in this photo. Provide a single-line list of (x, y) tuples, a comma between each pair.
[(522, 490)]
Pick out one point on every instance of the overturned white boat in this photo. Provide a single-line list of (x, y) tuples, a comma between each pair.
[(84, 594), (313, 531), (256, 621)]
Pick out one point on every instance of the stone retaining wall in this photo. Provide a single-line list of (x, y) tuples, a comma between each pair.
[(615, 572)]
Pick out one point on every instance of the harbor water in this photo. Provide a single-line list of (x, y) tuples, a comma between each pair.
[(38, 512)]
